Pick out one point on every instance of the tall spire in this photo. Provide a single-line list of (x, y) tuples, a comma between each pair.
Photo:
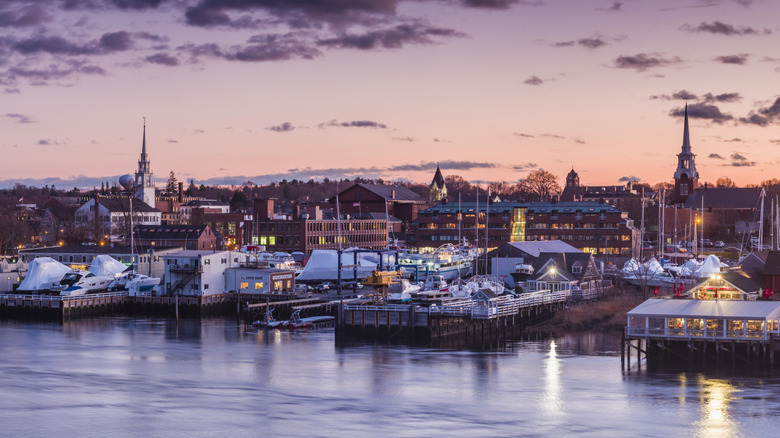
[(686, 146), (143, 163)]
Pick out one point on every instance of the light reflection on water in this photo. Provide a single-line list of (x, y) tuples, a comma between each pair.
[(215, 377)]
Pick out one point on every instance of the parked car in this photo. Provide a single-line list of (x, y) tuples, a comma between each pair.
[(706, 242), (675, 248), (719, 244)]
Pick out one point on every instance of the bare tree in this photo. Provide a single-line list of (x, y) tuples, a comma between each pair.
[(725, 181), (539, 185)]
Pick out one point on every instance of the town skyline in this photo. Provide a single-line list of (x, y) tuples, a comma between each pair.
[(488, 89)]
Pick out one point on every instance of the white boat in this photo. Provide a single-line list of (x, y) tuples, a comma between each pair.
[(323, 265), (43, 275), (402, 292), (448, 260), (135, 284), (78, 282)]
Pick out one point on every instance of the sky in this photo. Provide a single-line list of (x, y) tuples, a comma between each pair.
[(265, 90)]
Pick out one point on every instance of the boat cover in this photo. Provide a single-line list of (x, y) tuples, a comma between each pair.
[(42, 274), (106, 265)]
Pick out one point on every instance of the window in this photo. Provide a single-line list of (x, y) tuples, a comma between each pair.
[(224, 261), (205, 287), (258, 285), (244, 285), (272, 240), (576, 269), (206, 261)]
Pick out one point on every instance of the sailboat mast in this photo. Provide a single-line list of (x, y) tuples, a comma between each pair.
[(487, 220), (460, 220), (761, 222)]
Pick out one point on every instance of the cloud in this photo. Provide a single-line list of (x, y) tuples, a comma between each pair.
[(715, 156), (629, 178), (717, 27), (725, 97), (392, 38), (591, 43), (404, 139), (764, 116), (116, 41), (525, 167), (739, 160), (284, 127), (19, 118), (702, 111), (162, 59), (615, 7), (353, 124), (677, 95), (521, 134), (172, 140), (441, 140), (733, 59), (32, 15), (555, 136), (579, 140), (644, 61), (533, 80), (55, 45), (446, 164), (775, 141), (495, 4)]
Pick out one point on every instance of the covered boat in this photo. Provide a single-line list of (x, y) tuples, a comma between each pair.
[(43, 274)]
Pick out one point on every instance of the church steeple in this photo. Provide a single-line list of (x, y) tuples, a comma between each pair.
[(686, 176), (438, 186), (144, 178)]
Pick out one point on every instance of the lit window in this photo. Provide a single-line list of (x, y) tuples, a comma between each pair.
[(244, 285), (259, 285)]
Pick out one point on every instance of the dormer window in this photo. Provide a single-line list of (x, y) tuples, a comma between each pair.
[(576, 269)]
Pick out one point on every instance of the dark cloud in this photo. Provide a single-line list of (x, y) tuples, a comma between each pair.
[(54, 45), (615, 7), (521, 134), (441, 140), (678, 95), (734, 140), (579, 140), (739, 160), (702, 111), (284, 127), (392, 38), (721, 28), (491, 4), (53, 74), (116, 41), (19, 118), (644, 61), (764, 116), (32, 15), (725, 97), (563, 44), (715, 156), (629, 178), (353, 124), (525, 167), (533, 80), (591, 43), (733, 59), (150, 37), (137, 4), (446, 164), (775, 141), (162, 59)]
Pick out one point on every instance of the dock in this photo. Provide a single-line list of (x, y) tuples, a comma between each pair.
[(702, 332)]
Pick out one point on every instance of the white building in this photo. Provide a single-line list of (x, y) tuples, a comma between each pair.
[(197, 273), (114, 215)]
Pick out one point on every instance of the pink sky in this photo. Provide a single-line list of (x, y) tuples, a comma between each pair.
[(387, 88)]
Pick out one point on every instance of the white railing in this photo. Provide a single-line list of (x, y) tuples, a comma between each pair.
[(700, 334), (387, 308), (62, 297)]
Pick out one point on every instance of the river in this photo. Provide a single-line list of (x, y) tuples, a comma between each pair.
[(122, 376)]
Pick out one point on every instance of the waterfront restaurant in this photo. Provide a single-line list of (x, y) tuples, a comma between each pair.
[(704, 319), (726, 286)]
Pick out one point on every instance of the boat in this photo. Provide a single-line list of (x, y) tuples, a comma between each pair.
[(449, 261), (269, 317), (83, 282), (296, 322), (136, 284), (323, 265), (43, 275)]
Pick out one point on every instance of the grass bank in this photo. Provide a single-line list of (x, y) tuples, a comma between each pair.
[(607, 314)]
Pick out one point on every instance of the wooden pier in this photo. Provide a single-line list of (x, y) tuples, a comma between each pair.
[(479, 322)]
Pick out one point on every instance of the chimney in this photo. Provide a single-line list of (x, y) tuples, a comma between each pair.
[(392, 194), (181, 191)]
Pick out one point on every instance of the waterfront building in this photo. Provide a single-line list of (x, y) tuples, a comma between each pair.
[(397, 201), (598, 228), (504, 260), (248, 279), (146, 259), (562, 271), (191, 237), (686, 177), (144, 178), (198, 273), (730, 210), (312, 228)]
